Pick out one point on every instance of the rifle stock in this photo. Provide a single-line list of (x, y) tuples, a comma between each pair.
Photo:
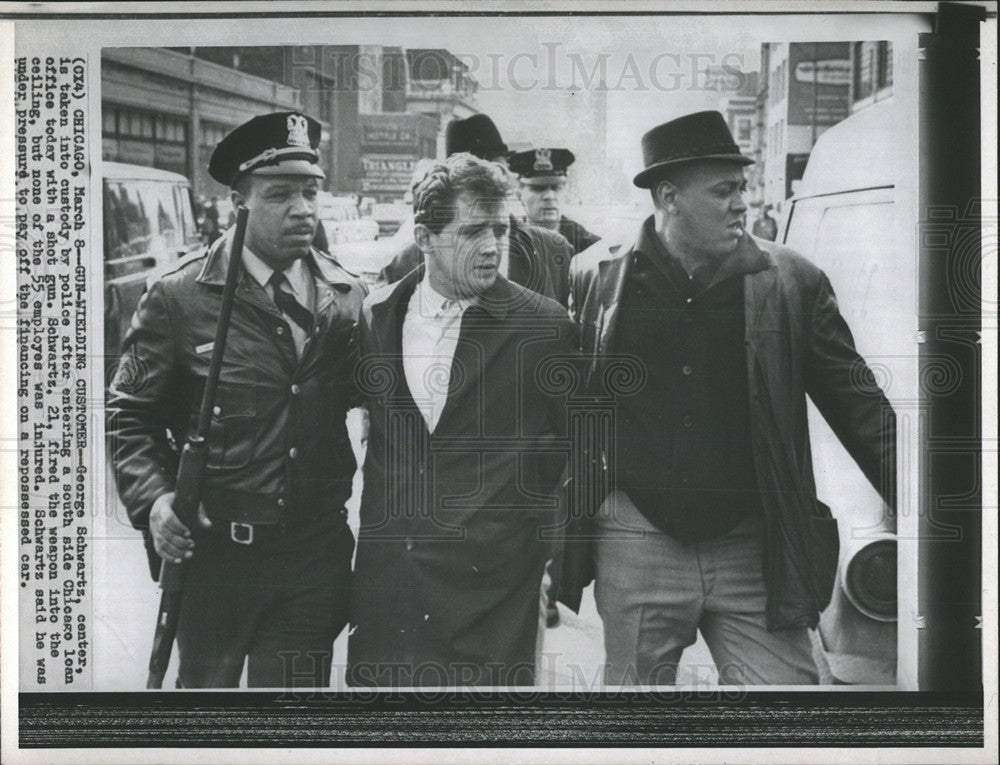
[(191, 472)]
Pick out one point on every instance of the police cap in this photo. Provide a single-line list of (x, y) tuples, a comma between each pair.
[(541, 164), (281, 143)]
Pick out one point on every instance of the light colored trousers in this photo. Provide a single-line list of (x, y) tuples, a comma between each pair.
[(654, 593)]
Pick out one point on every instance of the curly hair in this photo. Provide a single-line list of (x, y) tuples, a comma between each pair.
[(437, 186)]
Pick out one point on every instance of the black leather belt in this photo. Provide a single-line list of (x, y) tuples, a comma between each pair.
[(247, 517), (248, 533)]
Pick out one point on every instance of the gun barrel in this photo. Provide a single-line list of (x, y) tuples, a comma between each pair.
[(191, 472)]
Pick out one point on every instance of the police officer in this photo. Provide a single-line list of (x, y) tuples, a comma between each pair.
[(542, 174), (269, 560)]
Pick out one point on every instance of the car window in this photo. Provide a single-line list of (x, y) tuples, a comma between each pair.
[(144, 218), (182, 198)]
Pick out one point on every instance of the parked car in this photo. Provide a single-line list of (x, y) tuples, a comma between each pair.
[(846, 218), (389, 216), (367, 259), (342, 222), (149, 222)]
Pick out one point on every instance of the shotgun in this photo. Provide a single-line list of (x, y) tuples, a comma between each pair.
[(191, 472)]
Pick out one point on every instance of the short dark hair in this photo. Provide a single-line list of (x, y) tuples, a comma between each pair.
[(435, 195)]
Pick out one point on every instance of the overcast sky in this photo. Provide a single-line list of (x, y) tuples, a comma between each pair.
[(537, 75)]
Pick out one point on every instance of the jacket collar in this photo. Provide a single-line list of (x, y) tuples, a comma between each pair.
[(214, 270), (495, 301), (747, 258)]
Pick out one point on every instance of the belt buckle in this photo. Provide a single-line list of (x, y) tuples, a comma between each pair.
[(241, 533)]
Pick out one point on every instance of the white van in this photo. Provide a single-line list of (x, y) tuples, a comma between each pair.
[(846, 218)]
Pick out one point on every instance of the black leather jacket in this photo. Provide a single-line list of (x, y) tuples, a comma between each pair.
[(797, 343), (278, 442)]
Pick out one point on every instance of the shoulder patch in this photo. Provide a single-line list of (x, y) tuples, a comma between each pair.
[(130, 376)]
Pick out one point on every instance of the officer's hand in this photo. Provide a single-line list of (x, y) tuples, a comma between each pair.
[(171, 538)]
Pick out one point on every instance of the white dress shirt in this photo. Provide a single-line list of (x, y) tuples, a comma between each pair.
[(298, 282), (430, 335)]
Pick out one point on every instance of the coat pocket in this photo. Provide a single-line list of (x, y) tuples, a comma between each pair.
[(824, 553), (233, 429)]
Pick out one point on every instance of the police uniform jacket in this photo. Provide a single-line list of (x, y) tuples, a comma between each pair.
[(450, 551), (797, 343), (278, 443)]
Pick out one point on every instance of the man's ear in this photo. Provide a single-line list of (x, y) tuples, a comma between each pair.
[(423, 237), (666, 195), (237, 199)]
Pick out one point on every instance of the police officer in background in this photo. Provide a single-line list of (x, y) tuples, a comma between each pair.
[(542, 174), (269, 570)]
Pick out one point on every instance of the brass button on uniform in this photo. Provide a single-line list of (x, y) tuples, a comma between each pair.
[(296, 390), (281, 502), (293, 452), (410, 545), (279, 329), (216, 410), (686, 370)]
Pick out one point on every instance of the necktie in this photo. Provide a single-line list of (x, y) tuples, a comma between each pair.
[(288, 305)]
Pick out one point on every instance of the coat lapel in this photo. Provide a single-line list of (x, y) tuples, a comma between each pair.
[(613, 274), (479, 340), (757, 289), (388, 315)]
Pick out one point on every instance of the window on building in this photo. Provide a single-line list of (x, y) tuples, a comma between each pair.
[(212, 133), (884, 77), (864, 65), (743, 127), (171, 129)]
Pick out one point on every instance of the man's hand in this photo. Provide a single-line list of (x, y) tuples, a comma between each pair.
[(171, 538)]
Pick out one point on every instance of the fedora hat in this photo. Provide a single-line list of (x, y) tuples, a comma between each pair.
[(693, 137), (476, 135)]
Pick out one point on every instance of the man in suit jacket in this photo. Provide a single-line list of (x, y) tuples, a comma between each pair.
[(713, 524), (537, 257), (465, 453)]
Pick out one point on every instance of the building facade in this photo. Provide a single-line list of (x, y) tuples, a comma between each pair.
[(802, 90), (169, 107)]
